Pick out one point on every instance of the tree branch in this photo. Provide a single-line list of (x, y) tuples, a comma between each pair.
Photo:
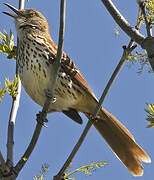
[(56, 65), (13, 114), (148, 25), (3, 167), (29, 150), (11, 124), (145, 43), (122, 22), (21, 4), (126, 52)]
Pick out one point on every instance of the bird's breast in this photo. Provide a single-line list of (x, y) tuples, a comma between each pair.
[(35, 70)]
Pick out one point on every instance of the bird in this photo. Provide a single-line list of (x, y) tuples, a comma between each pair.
[(35, 56)]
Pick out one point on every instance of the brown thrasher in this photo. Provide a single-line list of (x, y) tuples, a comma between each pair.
[(36, 53)]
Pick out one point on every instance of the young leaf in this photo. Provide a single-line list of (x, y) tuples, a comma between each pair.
[(150, 116), (12, 86), (43, 173), (7, 44), (2, 93), (86, 169)]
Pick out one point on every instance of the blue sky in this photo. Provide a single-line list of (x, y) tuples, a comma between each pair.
[(91, 43)]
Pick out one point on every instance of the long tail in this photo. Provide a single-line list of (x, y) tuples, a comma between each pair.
[(121, 142)]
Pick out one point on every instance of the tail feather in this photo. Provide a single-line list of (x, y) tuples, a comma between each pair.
[(121, 142)]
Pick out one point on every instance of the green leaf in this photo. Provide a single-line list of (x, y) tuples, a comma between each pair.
[(12, 87), (2, 93), (116, 30), (88, 169), (7, 44), (150, 116), (43, 173)]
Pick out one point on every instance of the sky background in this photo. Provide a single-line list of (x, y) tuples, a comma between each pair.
[(91, 43)]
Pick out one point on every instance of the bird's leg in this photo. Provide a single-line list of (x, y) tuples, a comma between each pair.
[(49, 95)]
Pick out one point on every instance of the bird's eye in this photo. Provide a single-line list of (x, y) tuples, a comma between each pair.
[(32, 14), (34, 27), (27, 26)]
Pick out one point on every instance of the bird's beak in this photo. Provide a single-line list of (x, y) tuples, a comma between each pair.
[(18, 13)]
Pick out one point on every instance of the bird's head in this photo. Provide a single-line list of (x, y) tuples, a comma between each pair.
[(29, 21)]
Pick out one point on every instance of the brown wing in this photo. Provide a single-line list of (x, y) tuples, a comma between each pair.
[(70, 68)]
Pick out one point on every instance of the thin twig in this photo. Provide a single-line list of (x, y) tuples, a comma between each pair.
[(4, 168), (148, 25), (29, 150), (42, 116), (145, 43), (11, 124), (56, 65), (126, 52), (74, 151), (13, 114), (122, 22), (148, 43), (21, 4)]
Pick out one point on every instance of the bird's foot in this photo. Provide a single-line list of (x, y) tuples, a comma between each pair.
[(49, 95)]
